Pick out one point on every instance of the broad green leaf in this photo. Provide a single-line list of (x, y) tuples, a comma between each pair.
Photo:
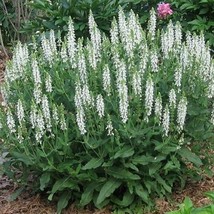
[(142, 160), (108, 188), (93, 163), (131, 166), (22, 157), (44, 179), (87, 195), (61, 185), (153, 168), (188, 205), (122, 173), (142, 193), (163, 183), (63, 201), (126, 201), (125, 152), (190, 156)]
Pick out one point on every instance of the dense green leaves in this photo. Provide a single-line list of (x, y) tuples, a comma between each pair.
[(102, 121)]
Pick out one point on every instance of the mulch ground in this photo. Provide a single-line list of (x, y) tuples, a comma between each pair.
[(38, 204)]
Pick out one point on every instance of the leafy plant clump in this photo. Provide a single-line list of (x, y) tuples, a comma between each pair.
[(187, 207), (108, 121)]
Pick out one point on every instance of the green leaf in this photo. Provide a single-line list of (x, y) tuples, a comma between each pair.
[(61, 185), (63, 201), (153, 168), (108, 188), (87, 195), (142, 193), (188, 155), (125, 152), (22, 157), (44, 179), (93, 163), (210, 194), (188, 205), (121, 173), (143, 160), (127, 200), (163, 183)]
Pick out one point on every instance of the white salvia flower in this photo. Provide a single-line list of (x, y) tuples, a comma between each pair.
[(172, 98), (48, 54), (78, 96), (135, 30), (46, 112), (167, 40), (87, 98), (143, 58), (210, 93), (123, 92), (106, 80), (71, 43), (126, 40), (100, 105), (81, 63), (114, 32), (91, 55), (48, 83), (37, 93), (53, 42), (20, 111), (10, 122), (178, 77), (94, 34), (178, 34), (181, 113), (80, 117), (149, 97), (109, 127), (20, 59), (136, 84), (212, 115), (20, 137), (152, 24), (170, 35), (63, 53), (33, 116), (154, 61), (166, 120), (40, 127), (36, 73), (63, 125), (55, 114), (184, 57), (158, 107)]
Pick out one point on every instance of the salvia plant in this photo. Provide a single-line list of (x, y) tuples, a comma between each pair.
[(108, 120)]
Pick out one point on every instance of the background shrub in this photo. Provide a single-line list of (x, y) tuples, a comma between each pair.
[(108, 120)]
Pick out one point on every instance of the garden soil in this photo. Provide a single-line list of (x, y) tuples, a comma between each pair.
[(29, 203)]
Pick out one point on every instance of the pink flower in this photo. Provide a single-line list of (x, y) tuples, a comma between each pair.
[(164, 10)]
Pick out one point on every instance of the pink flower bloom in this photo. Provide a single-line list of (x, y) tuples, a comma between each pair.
[(164, 10)]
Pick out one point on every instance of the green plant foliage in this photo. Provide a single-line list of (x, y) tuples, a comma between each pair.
[(196, 16), (187, 207), (108, 121), (55, 14)]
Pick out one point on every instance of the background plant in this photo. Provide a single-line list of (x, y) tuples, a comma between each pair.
[(196, 16), (108, 120), (187, 207)]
